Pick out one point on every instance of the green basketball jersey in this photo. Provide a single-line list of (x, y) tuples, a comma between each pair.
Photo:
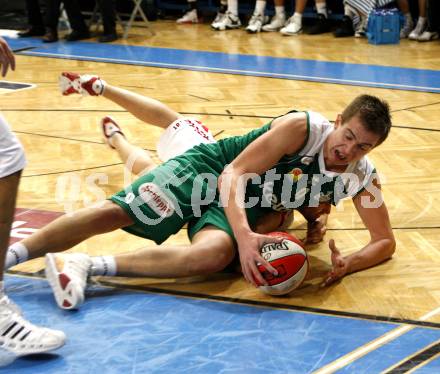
[(300, 179)]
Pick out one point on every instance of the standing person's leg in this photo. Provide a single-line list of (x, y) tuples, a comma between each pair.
[(108, 13), (76, 19), (294, 23), (51, 20), (408, 23), (18, 336), (222, 9), (230, 20), (346, 28), (279, 19), (35, 20), (422, 22), (432, 32), (190, 15), (257, 20), (322, 24)]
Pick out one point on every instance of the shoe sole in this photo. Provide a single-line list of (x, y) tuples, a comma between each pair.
[(64, 290), (65, 84)]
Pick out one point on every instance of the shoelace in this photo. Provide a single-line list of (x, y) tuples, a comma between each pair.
[(77, 268)]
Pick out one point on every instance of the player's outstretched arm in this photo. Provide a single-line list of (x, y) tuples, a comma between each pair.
[(286, 136), (382, 243)]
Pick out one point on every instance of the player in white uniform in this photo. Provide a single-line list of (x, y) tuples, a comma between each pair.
[(18, 337)]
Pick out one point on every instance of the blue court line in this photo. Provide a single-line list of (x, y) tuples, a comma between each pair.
[(261, 66), (136, 332)]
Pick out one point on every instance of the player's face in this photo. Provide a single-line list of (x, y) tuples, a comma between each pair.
[(348, 143)]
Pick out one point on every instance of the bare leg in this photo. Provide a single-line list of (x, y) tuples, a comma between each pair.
[(211, 250), (71, 229), (136, 159), (144, 108)]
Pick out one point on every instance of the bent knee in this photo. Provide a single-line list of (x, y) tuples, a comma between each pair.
[(110, 212), (207, 259)]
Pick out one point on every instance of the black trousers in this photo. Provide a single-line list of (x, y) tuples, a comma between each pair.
[(35, 19), (434, 15), (73, 11), (108, 13)]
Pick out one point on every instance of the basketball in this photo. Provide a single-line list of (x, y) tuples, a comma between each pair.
[(289, 259)]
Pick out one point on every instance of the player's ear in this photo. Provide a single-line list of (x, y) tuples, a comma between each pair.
[(338, 121)]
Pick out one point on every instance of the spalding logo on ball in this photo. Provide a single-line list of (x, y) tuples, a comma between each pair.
[(289, 259)]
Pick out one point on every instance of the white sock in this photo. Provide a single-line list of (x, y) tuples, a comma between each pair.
[(103, 265), (297, 17), (280, 10), (260, 7), (321, 8), (233, 7), (16, 254)]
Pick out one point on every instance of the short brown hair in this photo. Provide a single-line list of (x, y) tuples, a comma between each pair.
[(373, 113)]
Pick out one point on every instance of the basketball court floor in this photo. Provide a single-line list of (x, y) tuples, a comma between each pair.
[(381, 320)]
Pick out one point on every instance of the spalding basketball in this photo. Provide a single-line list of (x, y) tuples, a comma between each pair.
[(290, 260)]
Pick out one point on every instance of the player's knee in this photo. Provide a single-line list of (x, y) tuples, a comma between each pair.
[(110, 213), (210, 261)]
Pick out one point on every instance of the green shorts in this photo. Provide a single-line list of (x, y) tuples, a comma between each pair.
[(182, 190), (173, 194)]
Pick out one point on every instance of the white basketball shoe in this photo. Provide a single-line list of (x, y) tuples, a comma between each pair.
[(255, 23), (189, 17), (293, 26), (19, 337), (276, 23), (86, 85), (67, 275), (109, 128), (228, 21)]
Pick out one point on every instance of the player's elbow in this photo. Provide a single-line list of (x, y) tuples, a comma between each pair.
[(390, 245)]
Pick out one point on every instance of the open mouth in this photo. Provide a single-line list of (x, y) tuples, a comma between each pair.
[(339, 156)]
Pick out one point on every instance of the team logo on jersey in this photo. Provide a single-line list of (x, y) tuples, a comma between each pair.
[(156, 199), (296, 174), (306, 160)]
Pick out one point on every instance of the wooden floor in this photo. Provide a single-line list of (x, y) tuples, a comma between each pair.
[(61, 135)]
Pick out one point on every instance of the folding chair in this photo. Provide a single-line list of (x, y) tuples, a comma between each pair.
[(126, 26), (137, 9)]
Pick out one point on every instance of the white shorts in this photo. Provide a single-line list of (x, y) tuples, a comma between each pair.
[(181, 135), (12, 158)]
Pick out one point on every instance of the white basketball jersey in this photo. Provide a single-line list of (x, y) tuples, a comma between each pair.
[(181, 135)]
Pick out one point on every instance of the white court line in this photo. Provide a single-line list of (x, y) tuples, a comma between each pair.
[(223, 70), (362, 351)]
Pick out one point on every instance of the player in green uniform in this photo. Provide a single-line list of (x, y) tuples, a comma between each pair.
[(220, 189)]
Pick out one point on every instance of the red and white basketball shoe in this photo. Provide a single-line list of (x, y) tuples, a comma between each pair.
[(110, 128), (67, 276), (86, 85)]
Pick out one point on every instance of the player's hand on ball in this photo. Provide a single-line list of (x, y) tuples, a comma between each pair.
[(249, 250), (339, 265)]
